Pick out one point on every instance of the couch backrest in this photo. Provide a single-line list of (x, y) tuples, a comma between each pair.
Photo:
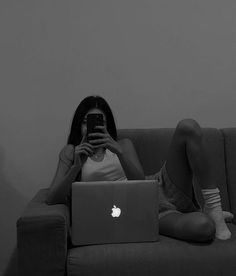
[(230, 165), (152, 148)]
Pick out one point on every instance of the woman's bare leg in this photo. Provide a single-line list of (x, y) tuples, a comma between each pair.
[(194, 226), (186, 157)]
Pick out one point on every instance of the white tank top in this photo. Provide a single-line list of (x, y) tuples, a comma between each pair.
[(107, 169)]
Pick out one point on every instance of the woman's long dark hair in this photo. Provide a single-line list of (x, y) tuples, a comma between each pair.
[(85, 105), (75, 135)]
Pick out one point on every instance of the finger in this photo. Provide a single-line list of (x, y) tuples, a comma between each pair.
[(87, 144), (85, 148), (89, 149), (96, 134), (83, 139), (97, 141), (78, 147), (100, 145), (84, 151), (101, 127)]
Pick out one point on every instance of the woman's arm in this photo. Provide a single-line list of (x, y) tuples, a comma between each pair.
[(65, 174), (129, 160)]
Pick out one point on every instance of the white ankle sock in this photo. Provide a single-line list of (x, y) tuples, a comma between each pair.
[(213, 209)]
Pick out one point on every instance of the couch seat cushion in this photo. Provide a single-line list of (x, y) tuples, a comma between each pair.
[(168, 256)]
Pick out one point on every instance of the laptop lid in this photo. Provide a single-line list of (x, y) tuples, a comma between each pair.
[(114, 212)]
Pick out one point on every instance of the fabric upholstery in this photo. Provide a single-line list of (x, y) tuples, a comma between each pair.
[(230, 165), (42, 233), (166, 257)]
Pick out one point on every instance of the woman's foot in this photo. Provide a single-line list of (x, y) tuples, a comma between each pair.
[(219, 217)]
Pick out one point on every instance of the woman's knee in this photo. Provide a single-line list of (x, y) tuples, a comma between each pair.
[(201, 227), (204, 228), (189, 128), (194, 226)]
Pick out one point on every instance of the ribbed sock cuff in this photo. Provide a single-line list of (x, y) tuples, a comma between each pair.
[(211, 197)]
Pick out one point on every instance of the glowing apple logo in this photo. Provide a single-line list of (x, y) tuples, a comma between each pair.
[(115, 211)]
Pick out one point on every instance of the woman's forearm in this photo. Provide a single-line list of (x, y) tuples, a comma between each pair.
[(60, 190), (131, 171)]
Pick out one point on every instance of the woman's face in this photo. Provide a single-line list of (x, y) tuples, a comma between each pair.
[(84, 122)]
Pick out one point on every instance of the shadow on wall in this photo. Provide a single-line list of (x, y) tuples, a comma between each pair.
[(12, 203), (11, 266)]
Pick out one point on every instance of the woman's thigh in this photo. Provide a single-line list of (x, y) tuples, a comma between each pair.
[(177, 163), (193, 226)]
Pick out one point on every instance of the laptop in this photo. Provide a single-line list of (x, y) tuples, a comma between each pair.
[(114, 212)]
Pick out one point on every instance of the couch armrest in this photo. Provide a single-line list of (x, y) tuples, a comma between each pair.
[(230, 166), (42, 237)]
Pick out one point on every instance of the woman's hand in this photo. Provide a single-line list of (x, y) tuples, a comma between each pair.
[(82, 151), (105, 140)]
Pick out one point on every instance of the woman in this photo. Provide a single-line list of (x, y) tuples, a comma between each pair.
[(104, 158), (107, 158), (187, 158)]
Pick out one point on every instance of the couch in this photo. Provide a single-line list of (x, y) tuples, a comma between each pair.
[(43, 231)]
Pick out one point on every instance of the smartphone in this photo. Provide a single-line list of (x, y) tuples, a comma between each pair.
[(94, 119)]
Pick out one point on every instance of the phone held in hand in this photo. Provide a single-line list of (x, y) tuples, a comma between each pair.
[(93, 120)]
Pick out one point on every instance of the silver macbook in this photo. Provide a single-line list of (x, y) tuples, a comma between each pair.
[(114, 212)]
